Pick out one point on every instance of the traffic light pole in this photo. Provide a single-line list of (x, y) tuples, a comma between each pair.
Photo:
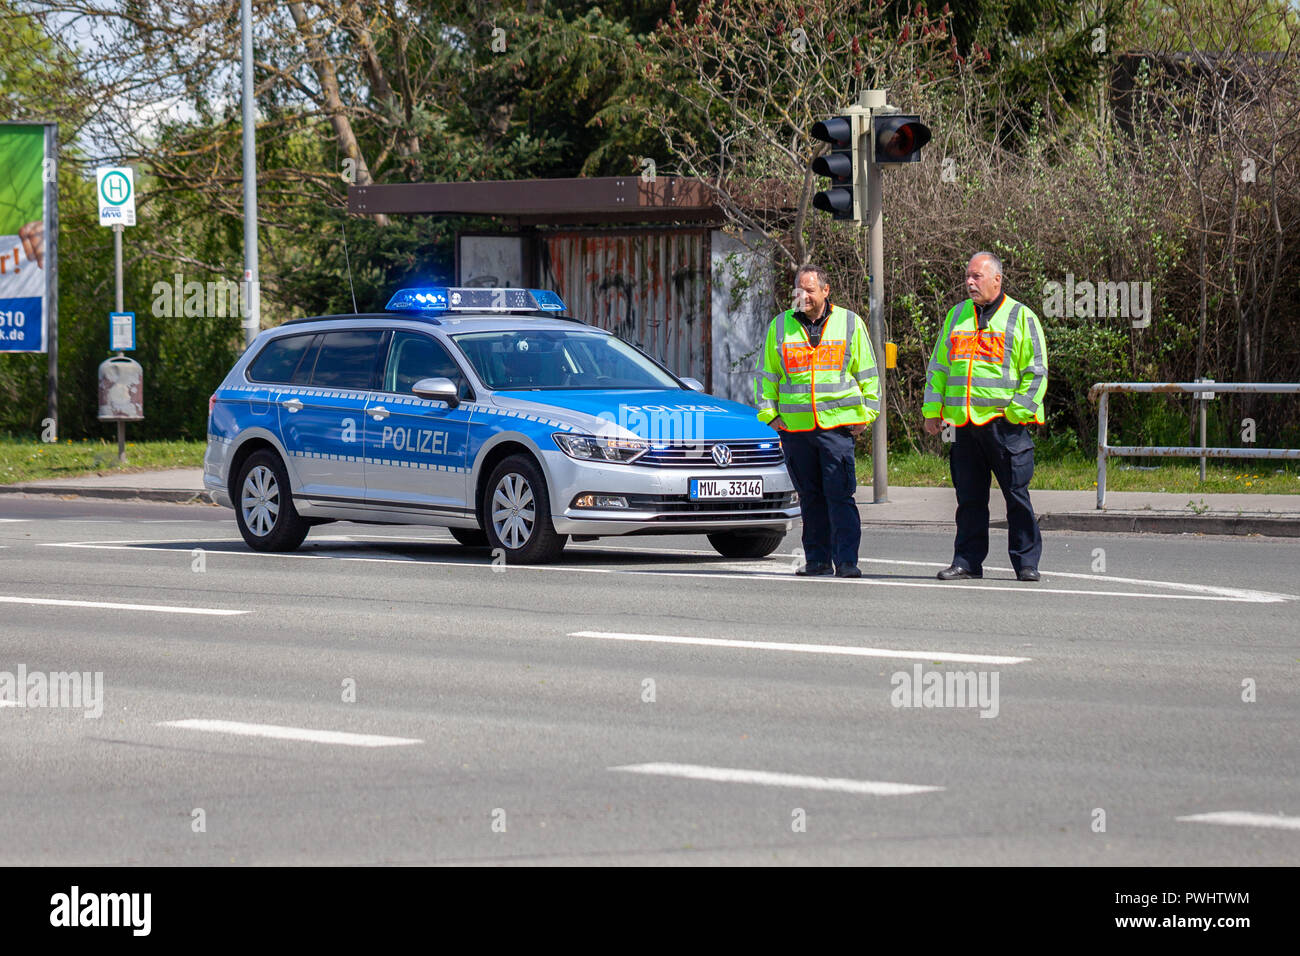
[(862, 137), (873, 99), (876, 327)]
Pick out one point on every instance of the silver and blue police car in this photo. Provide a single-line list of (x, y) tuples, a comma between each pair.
[(490, 413)]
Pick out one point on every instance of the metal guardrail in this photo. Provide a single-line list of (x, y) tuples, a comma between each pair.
[(1102, 391)]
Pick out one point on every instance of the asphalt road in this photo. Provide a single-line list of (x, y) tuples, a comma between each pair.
[(386, 696)]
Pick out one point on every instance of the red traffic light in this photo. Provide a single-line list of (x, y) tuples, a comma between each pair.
[(899, 138)]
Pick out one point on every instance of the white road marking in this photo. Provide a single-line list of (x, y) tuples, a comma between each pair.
[(764, 569), (1244, 818), (877, 788), (9, 703), (1238, 593), (806, 648), (291, 733), (114, 606), (13, 520)]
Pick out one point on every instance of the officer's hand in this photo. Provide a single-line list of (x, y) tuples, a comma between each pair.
[(933, 426), (778, 424), (857, 429)]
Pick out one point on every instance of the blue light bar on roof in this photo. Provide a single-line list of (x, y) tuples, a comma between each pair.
[(445, 299)]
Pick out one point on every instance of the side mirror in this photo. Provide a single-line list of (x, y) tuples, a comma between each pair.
[(437, 389), (692, 383)]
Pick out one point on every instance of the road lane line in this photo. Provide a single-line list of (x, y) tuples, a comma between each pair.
[(877, 788), (1244, 818), (1215, 589), (114, 606), (290, 733), (767, 570), (807, 648)]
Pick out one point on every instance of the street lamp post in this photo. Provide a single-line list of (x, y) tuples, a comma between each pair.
[(252, 294)]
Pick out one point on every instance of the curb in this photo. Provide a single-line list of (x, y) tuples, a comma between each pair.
[(1280, 527), (140, 494)]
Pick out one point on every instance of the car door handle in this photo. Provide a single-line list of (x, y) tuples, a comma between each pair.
[(292, 404), (378, 413)]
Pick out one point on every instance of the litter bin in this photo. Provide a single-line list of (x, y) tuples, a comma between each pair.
[(121, 396)]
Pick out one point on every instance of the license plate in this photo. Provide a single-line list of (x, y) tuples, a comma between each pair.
[(726, 488)]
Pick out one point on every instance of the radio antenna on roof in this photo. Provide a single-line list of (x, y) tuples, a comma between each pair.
[(348, 260)]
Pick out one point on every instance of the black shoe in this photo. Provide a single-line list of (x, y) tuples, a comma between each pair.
[(1027, 574), (813, 570), (956, 573), (848, 571)]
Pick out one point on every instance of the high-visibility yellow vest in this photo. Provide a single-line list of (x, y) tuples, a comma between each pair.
[(977, 374), (828, 385)]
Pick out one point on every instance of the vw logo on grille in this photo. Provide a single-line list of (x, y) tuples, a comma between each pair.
[(721, 456)]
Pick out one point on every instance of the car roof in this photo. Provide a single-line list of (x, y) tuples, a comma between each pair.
[(449, 323)]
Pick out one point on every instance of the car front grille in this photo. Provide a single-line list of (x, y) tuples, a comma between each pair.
[(700, 454), (670, 508)]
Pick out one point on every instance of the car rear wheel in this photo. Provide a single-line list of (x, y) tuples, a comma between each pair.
[(470, 537), (264, 507), (746, 544), (516, 513)]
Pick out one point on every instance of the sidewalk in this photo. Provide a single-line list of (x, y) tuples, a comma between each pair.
[(174, 484), (1277, 515)]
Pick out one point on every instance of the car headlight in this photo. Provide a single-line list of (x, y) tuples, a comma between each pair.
[(591, 448)]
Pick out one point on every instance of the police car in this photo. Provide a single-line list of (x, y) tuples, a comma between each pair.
[(492, 414)]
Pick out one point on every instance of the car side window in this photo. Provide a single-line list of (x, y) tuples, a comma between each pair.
[(347, 359), (414, 356), (281, 357)]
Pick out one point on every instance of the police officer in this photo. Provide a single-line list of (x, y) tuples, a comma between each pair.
[(818, 386), (987, 377)]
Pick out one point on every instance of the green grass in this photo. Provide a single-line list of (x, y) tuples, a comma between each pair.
[(25, 460), (1080, 474)]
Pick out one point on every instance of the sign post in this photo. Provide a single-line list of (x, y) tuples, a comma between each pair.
[(115, 190)]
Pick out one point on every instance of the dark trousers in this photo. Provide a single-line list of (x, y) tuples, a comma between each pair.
[(1007, 451), (821, 466)]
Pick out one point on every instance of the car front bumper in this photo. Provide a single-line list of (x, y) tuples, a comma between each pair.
[(658, 499)]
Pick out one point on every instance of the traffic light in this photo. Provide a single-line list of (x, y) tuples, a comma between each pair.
[(841, 199), (898, 138)]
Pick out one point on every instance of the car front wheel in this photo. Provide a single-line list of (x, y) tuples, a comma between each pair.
[(264, 507), (516, 513)]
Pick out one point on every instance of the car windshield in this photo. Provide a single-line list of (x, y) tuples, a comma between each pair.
[(559, 358)]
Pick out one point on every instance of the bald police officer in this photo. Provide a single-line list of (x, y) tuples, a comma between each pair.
[(987, 378)]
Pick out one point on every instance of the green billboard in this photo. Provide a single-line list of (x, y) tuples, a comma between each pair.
[(25, 260)]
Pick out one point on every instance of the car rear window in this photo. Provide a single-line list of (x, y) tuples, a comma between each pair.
[(277, 362)]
